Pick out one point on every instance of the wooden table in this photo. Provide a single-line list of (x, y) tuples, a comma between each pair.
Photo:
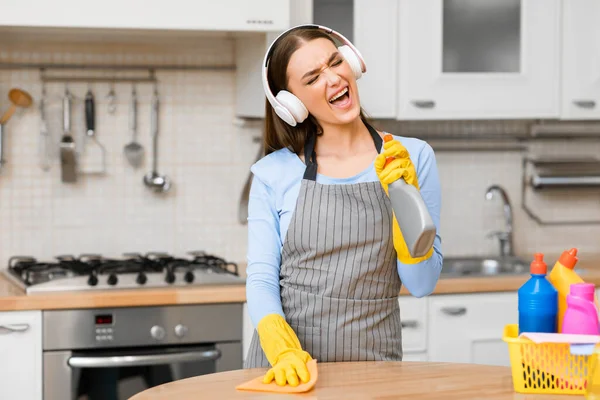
[(362, 380)]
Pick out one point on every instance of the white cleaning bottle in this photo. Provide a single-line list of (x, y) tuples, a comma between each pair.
[(412, 215)]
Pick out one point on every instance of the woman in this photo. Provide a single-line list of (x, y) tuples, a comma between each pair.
[(326, 259)]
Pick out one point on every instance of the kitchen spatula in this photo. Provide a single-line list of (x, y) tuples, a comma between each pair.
[(93, 161)]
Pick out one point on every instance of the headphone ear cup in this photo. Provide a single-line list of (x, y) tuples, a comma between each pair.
[(293, 106), (352, 60)]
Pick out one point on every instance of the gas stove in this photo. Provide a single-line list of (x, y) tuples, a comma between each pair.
[(132, 271)]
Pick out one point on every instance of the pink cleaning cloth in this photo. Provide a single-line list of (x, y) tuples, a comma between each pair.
[(560, 338)]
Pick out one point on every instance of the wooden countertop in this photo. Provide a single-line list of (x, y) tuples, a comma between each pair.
[(13, 298), (362, 380)]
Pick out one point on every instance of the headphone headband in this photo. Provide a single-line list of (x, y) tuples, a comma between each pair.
[(265, 80)]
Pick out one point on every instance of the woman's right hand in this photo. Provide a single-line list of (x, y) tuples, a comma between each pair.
[(289, 366), (283, 351)]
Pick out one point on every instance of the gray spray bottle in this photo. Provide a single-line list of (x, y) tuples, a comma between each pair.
[(412, 215)]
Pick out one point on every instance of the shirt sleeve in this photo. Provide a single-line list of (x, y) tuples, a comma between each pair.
[(420, 279), (264, 253)]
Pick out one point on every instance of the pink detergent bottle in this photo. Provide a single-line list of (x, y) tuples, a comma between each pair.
[(581, 315)]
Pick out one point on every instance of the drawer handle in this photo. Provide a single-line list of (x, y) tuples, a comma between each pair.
[(423, 103), (409, 324), (585, 103), (6, 329), (454, 311)]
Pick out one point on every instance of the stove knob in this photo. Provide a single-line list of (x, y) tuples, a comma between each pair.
[(112, 279), (189, 277), (170, 278), (93, 280), (141, 278), (180, 330), (157, 332)]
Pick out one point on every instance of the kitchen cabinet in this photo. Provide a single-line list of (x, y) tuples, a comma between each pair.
[(371, 25), (223, 15), (247, 331), (469, 59), (21, 355), (467, 328), (580, 60)]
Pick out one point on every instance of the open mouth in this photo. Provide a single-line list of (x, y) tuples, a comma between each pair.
[(341, 98)]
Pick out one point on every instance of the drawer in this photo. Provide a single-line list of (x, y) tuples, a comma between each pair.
[(413, 314)]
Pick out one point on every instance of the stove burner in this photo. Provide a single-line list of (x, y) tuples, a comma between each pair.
[(98, 268)]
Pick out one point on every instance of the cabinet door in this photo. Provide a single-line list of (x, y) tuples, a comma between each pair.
[(468, 328), (413, 316), (21, 352), (255, 15), (376, 37), (414, 357), (248, 331), (372, 26), (581, 60), (469, 59)]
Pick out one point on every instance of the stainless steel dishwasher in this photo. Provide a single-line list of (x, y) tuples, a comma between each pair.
[(113, 353)]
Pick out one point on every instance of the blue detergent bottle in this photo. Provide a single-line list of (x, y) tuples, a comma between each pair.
[(538, 300)]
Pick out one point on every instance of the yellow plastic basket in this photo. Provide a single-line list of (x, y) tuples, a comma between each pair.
[(546, 368)]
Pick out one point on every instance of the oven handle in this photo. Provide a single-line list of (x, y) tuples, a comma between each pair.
[(143, 360)]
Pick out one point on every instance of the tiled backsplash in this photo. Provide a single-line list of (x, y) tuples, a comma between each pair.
[(208, 157), (200, 148)]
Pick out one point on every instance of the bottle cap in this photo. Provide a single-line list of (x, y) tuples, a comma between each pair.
[(585, 290), (538, 266), (568, 258)]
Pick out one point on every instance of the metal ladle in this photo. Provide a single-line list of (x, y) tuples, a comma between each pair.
[(159, 183), (18, 98)]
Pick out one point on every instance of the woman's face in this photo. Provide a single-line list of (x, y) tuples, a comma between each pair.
[(322, 79)]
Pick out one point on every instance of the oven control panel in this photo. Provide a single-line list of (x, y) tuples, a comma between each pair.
[(104, 327)]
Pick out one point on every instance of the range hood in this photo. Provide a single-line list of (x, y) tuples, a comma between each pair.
[(178, 15)]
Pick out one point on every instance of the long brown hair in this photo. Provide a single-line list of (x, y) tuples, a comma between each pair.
[(278, 134)]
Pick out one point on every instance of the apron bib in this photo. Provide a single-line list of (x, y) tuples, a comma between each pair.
[(338, 277)]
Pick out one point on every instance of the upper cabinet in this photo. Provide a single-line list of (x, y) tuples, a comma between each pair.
[(372, 26), (473, 59), (581, 59), (222, 15)]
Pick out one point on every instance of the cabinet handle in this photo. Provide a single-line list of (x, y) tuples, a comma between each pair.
[(423, 103), (585, 103), (454, 311), (409, 324), (6, 329)]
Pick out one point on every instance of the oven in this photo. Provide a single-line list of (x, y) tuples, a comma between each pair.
[(114, 353)]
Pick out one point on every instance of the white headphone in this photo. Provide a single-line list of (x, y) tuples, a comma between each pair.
[(287, 106)]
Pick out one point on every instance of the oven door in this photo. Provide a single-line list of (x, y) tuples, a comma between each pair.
[(116, 374)]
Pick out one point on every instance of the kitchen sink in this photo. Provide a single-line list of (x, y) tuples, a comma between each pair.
[(483, 266)]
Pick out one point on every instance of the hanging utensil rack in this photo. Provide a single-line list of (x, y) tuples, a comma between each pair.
[(150, 70), (171, 67)]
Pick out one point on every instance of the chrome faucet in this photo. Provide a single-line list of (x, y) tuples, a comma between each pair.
[(505, 237)]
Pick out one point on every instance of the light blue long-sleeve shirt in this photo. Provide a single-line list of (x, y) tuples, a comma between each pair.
[(275, 187)]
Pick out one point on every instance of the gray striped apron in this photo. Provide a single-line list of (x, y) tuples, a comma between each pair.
[(338, 278)]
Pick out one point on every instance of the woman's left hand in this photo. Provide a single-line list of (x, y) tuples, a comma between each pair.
[(400, 167)]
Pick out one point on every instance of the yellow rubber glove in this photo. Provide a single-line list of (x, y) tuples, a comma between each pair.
[(283, 350), (401, 167)]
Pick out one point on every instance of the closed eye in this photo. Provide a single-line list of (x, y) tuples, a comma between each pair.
[(334, 61)]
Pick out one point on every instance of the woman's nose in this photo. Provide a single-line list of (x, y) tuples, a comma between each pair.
[(332, 77)]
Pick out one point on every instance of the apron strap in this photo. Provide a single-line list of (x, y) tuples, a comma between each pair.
[(310, 173)]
